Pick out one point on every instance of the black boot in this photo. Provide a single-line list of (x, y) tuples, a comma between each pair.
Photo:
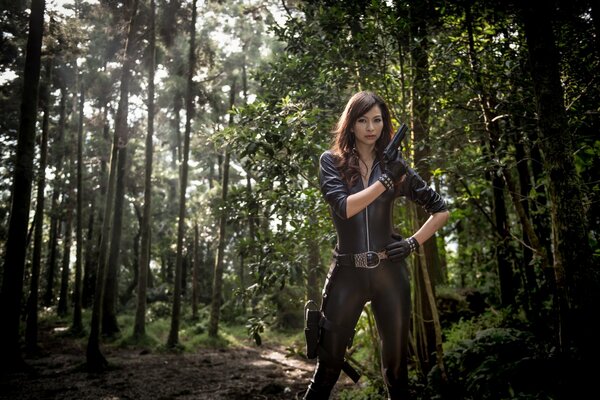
[(322, 383), (314, 395)]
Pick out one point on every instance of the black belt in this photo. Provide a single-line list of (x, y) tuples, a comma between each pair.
[(369, 259)]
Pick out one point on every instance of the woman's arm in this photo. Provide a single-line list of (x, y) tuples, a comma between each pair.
[(357, 202), (337, 194), (435, 222)]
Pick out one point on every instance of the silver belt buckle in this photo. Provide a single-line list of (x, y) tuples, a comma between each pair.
[(366, 260)]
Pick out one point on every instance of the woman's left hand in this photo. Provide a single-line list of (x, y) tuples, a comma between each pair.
[(402, 248)]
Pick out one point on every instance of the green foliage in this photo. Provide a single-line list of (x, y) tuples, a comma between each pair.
[(367, 391), (255, 327), (129, 341), (365, 347), (205, 340), (467, 329), (158, 310), (498, 363), (494, 356)]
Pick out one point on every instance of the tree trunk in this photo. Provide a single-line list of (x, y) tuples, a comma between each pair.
[(16, 242), (107, 164), (48, 297), (541, 215), (77, 325), (56, 213), (195, 266), (31, 329), (63, 298), (139, 329), (577, 279), (89, 289), (127, 294), (424, 285), (69, 203), (525, 186), (173, 339), (110, 325), (95, 359), (505, 271), (217, 287), (88, 273)]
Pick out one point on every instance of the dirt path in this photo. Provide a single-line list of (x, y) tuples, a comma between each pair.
[(245, 372)]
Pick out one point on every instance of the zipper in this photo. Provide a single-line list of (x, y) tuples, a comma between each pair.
[(367, 223), (367, 208)]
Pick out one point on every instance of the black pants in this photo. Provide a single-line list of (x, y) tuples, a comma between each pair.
[(346, 292)]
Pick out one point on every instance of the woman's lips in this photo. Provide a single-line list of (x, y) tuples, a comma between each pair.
[(371, 136)]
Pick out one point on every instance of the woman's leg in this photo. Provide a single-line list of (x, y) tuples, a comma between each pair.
[(344, 297), (391, 308)]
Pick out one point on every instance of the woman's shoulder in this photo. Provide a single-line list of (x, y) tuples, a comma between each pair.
[(328, 156)]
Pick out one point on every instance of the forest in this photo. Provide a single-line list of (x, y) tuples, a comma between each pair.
[(161, 219)]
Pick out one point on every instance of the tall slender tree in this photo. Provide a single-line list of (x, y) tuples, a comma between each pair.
[(195, 272), (55, 213), (16, 243), (173, 339), (77, 324), (31, 329), (426, 318), (94, 357), (217, 286), (139, 329), (110, 325), (68, 204)]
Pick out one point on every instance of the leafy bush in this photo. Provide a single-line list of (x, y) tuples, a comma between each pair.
[(466, 329), (158, 310), (499, 363)]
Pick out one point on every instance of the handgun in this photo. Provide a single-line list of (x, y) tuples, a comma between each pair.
[(391, 150)]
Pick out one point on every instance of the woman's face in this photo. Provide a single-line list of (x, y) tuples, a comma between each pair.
[(367, 128)]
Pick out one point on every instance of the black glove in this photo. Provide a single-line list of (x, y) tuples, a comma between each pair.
[(396, 168), (393, 171), (399, 250)]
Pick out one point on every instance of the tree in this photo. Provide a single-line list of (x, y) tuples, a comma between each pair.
[(577, 278), (139, 329), (110, 325), (173, 339), (54, 210), (31, 329), (95, 359), (77, 325), (217, 286), (16, 244)]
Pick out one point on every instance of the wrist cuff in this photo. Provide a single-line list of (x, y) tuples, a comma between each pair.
[(387, 181), (412, 242)]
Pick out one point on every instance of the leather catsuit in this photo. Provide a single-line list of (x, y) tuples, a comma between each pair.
[(347, 289)]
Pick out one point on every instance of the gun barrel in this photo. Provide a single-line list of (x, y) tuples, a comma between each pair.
[(394, 145)]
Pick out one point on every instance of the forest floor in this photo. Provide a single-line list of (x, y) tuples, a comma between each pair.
[(243, 371)]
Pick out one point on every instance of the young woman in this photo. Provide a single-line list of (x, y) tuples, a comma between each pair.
[(370, 257)]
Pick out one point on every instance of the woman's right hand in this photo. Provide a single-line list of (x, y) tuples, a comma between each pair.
[(396, 168)]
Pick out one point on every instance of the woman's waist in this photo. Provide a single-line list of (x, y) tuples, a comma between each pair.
[(362, 242)]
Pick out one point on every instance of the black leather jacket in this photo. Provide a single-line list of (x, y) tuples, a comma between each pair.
[(370, 229)]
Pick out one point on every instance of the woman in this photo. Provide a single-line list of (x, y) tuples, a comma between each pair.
[(370, 258)]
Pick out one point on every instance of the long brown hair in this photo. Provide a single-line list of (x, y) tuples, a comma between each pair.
[(344, 140)]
